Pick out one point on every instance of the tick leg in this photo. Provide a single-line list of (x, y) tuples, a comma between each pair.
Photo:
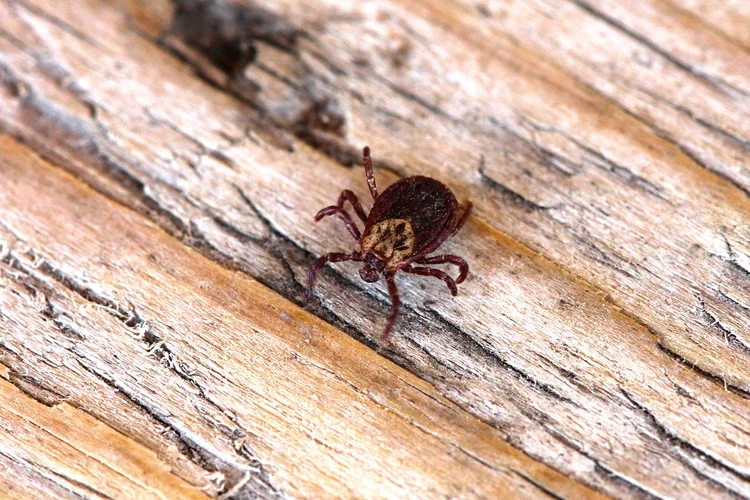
[(312, 274), (448, 259), (347, 195), (343, 215), (367, 160), (464, 216), (437, 273), (395, 301)]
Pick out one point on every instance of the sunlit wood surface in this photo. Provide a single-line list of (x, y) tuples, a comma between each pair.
[(156, 229)]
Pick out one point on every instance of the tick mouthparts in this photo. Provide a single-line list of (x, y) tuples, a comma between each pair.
[(369, 274)]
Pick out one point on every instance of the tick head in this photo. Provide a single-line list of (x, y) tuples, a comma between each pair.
[(373, 266)]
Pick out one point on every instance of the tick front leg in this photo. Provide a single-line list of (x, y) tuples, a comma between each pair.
[(312, 274), (367, 161), (437, 273), (347, 195), (343, 215), (448, 259), (395, 301)]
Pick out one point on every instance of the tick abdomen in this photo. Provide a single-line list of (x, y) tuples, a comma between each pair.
[(425, 204)]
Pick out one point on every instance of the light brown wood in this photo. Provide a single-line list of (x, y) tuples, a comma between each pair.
[(240, 376), (67, 446), (604, 327)]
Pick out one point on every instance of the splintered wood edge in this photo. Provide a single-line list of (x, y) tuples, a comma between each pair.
[(71, 444), (433, 430)]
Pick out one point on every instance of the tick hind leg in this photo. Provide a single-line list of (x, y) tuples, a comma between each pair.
[(312, 274), (448, 259), (437, 273), (395, 301)]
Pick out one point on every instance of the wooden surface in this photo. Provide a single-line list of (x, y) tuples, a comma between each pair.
[(156, 227)]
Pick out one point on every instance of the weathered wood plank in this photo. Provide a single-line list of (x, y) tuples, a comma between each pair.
[(606, 157), (77, 452), (728, 18), (262, 392)]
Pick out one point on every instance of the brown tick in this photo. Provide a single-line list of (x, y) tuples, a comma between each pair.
[(410, 220)]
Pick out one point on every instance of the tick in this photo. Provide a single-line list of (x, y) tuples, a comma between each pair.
[(408, 221)]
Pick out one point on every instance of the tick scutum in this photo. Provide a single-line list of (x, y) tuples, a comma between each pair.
[(427, 206)]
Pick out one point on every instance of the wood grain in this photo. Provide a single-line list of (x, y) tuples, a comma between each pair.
[(253, 385), (66, 446), (604, 327)]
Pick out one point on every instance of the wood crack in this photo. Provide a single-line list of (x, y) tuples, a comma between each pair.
[(596, 159), (697, 369), (398, 414), (662, 133), (742, 143), (205, 150), (718, 83), (108, 466), (631, 484), (678, 358), (714, 322), (49, 474), (573, 378), (604, 256), (684, 445), (423, 392), (508, 194), (155, 345), (707, 25), (298, 87), (201, 452), (52, 19), (538, 485), (312, 113), (65, 139), (36, 389), (412, 97), (474, 346)]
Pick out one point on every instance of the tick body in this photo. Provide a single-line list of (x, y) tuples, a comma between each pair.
[(408, 221)]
